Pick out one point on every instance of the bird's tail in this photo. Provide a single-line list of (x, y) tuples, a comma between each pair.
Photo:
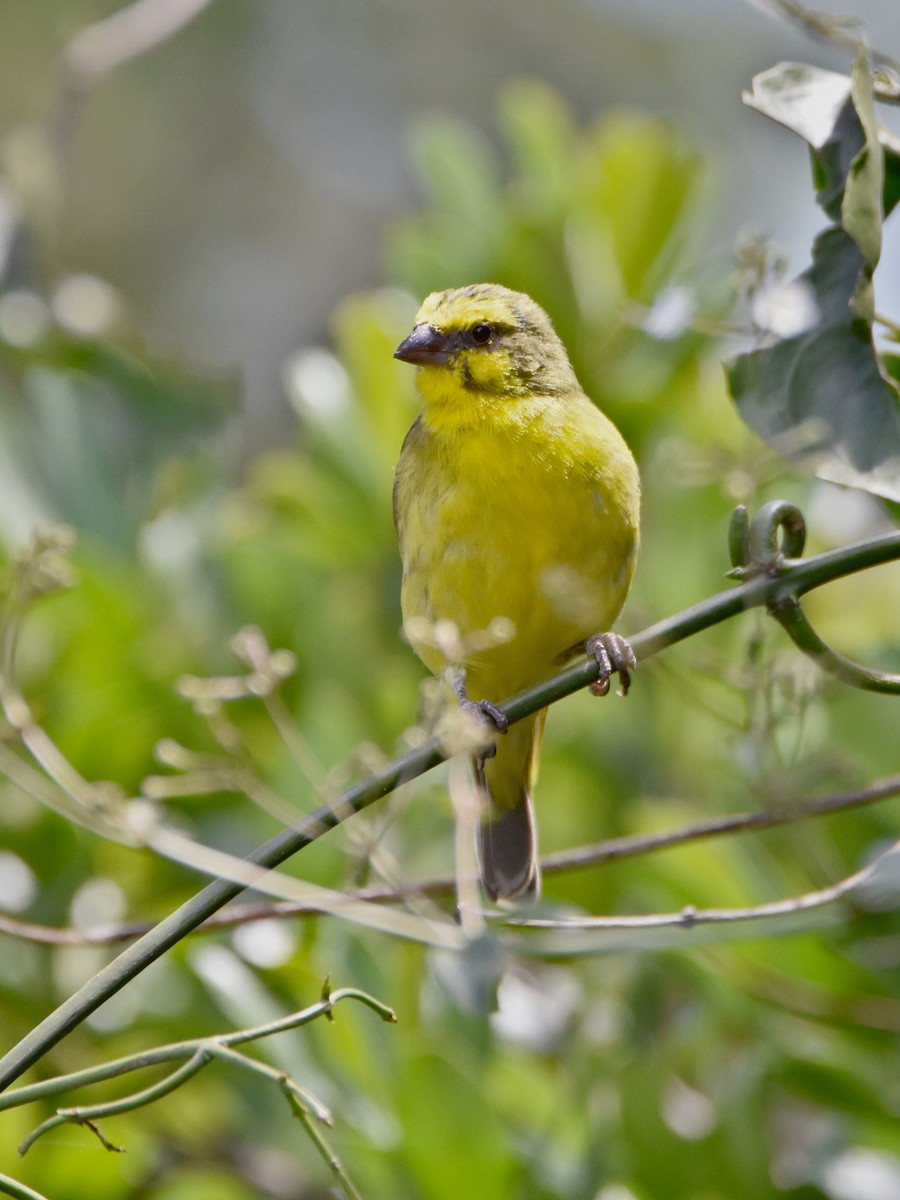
[(507, 838)]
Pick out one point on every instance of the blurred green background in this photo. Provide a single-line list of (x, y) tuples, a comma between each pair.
[(208, 258)]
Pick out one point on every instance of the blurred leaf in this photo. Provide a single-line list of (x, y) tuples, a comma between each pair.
[(543, 139), (645, 185), (822, 397), (448, 1119), (593, 223), (94, 423), (461, 181), (203, 1185), (666, 1074), (367, 330), (835, 1085)]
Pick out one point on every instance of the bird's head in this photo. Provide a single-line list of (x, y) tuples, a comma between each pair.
[(485, 338)]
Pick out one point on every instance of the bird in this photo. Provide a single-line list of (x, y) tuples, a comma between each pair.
[(516, 504)]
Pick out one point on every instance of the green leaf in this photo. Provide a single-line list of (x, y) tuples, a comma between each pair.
[(452, 1132), (644, 187), (822, 397), (542, 138), (891, 146), (457, 170), (817, 105)]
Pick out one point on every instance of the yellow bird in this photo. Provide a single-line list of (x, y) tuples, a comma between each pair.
[(516, 503)]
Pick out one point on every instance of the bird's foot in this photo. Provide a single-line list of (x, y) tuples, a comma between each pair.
[(614, 656), (484, 712)]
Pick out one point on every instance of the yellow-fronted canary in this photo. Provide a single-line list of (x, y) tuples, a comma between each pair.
[(516, 503)]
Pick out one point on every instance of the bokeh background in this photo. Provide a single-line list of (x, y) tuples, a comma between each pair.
[(207, 256), (236, 184)]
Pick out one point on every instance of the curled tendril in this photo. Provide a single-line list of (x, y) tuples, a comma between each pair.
[(775, 536), (767, 545)]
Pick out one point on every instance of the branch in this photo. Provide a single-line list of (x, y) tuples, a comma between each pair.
[(12, 1187), (89, 1114), (773, 586), (691, 917), (595, 854), (179, 1051), (822, 26), (189, 1048), (97, 50), (632, 845), (198, 1054), (305, 1115), (813, 1001), (767, 545), (796, 625)]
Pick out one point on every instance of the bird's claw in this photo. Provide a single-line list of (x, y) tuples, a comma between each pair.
[(614, 656), (491, 713), (489, 716), (485, 713)]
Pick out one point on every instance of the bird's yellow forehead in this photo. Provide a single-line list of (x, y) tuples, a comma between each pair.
[(460, 308)]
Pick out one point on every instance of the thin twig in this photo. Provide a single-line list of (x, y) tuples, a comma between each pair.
[(89, 1114), (795, 623), (795, 579), (301, 752), (556, 938), (629, 846), (823, 26), (690, 916), (577, 858), (307, 1108), (306, 1118), (12, 1187), (199, 1054), (437, 929), (809, 1000), (98, 49), (177, 1051)]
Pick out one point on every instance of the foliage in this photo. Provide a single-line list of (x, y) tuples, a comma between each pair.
[(745, 1068), (824, 396)]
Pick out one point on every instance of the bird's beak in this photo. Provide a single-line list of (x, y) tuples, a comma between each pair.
[(426, 347)]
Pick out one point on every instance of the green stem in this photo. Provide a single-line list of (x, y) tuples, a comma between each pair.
[(771, 590), (12, 1187), (794, 622), (315, 1135), (310, 1111), (87, 1114), (108, 1070), (313, 1106), (188, 1049)]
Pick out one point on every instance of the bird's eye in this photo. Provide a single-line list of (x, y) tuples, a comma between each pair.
[(482, 333)]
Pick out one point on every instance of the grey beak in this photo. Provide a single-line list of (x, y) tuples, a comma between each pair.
[(426, 347)]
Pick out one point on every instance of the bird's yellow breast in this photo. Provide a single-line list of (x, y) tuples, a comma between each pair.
[(521, 509)]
